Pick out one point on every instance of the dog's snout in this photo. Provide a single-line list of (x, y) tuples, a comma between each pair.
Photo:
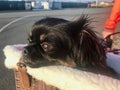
[(28, 50), (25, 51)]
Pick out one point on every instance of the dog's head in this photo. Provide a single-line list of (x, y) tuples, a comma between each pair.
[(69, 43)]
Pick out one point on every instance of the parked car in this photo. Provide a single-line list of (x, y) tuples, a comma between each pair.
[(101, 4)]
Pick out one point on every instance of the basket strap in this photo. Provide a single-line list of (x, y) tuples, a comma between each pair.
[(21, 79), (24, 77)]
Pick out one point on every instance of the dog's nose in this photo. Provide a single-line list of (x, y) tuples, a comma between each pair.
[(25, 51)]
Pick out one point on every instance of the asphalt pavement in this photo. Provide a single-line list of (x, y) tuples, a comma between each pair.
[(14, 28)]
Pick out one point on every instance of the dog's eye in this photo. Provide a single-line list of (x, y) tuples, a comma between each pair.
[(29, 40), (46, 46)]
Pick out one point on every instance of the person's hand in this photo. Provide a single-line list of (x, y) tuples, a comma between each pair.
[(105, 33)]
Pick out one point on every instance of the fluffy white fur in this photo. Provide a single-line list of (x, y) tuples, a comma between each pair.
[(67, 78), (12, 54)]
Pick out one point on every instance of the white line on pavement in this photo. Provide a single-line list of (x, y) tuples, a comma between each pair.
[(5, 26)]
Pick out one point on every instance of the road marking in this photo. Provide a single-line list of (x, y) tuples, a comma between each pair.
[(5, 26)]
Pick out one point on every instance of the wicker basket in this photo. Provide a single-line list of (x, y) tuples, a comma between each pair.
[(116, 42), (26, 82)]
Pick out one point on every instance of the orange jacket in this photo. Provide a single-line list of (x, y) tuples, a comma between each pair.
[(110, 23)]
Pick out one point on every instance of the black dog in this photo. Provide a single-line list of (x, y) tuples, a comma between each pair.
[(55, 41)]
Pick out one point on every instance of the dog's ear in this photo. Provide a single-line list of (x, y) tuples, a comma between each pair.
[(83, 23), (90, 51)]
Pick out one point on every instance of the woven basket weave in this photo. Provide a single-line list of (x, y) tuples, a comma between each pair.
[(116, 42), (34, 84)]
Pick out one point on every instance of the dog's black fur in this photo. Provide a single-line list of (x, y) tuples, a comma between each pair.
[(70, 43)]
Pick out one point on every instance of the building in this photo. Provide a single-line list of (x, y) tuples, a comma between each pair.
[(15, 5)]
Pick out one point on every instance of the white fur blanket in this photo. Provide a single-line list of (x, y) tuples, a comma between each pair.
[(67, 78)]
